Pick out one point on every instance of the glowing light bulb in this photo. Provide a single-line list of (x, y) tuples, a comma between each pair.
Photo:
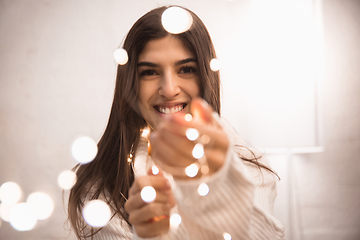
[(203, 189), (10, 193), (67, 179), (148, 194), (215, 64), (155, 170), (192, 170), (5, 210), (145, 133), (198, 151), (121, 56), (188, 117), (192, 134), (96, 213), (175, 220), (205, 139), (176, 20), (42, 204), (227, 236), (205, 169), (84, 150), (23, 217)]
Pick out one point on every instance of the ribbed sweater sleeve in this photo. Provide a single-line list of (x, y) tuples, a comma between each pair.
[(240, 203)]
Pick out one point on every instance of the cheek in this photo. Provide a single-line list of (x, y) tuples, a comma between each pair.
[(143, 92), (146, 91), (193, 89)]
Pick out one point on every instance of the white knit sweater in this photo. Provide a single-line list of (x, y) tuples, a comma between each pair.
[(240, 202)]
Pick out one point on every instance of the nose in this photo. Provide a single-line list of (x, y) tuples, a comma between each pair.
[(169, 86)]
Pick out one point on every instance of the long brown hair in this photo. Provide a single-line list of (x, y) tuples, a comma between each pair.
[(110, 175)]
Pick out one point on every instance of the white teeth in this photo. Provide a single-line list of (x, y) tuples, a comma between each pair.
[(175, 109)]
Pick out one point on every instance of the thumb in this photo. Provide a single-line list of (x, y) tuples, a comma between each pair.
[(201, 110)]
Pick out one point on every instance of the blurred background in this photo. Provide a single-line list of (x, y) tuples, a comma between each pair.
[(290, 86)]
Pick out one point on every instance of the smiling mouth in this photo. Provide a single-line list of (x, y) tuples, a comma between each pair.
[(172, 109)]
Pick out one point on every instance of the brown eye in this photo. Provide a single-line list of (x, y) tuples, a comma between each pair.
[(148, 72), (187, 70)]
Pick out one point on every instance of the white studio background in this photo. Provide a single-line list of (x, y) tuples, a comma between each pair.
[(57, 77), (272, 65)]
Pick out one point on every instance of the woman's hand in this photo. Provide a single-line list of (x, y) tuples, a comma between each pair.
[(172, 150), (150, 219)]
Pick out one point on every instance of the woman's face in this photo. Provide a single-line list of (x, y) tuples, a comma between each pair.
[(169, 80)]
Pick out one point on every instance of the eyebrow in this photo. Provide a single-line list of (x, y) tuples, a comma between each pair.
[(150, 64), (186, 60)]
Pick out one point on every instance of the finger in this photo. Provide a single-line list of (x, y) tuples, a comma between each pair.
[(157, 182), (171, 149), (217, 138), (147, 213), (153, 229), (215, 159), (155, 171), (136, 202), (201, 110), (202, 113), (158, 218)]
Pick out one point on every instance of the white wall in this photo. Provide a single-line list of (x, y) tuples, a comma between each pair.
[(325, 187), (328, 184), (56, 83)]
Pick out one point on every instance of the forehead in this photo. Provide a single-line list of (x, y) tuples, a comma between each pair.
[(169, 48)]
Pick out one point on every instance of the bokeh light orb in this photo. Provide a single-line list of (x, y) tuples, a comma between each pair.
[(67, 179), (198, 151), (175, 220), (205, 169), (215, 65), (23, 217), (192, 134), (188, 117), (5, 210), (145, 132), (84, 150), (155, 170), (192, 170), (203, 189), (42, 204), (148, 194), (176, 20), (205, 139), (10, 193), (227, 236), (121, 56), (96, 213)]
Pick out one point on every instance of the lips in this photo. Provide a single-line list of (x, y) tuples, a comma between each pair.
[(167, 109)]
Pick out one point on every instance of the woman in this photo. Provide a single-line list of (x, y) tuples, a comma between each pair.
[(168, 76)]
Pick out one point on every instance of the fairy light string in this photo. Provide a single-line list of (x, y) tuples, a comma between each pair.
[(176, 20)]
